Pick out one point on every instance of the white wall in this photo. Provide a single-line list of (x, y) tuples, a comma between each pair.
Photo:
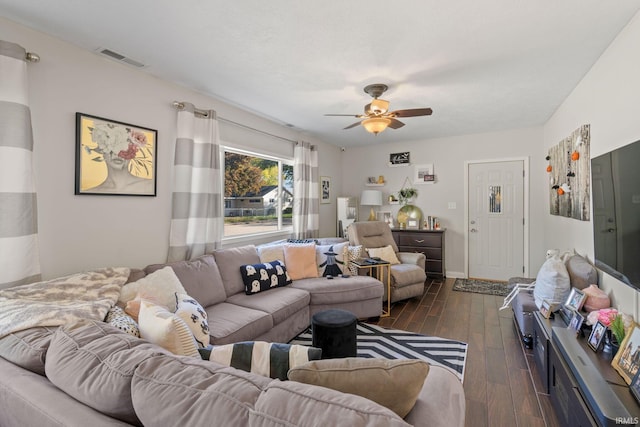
[(607, 98), (448, 156), (83, 232)]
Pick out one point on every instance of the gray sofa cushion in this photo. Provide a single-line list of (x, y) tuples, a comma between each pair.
[(172, 391), (27, 348), (280, 303), (229, 262), (340, 290), (94, 362), (407, 274), (229, 323), (291, 403), (199, 277)]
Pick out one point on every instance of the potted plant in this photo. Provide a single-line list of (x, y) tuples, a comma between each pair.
[(407, 194)]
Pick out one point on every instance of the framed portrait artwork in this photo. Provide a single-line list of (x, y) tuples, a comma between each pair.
[(114, 158), (325, 189), (627, 358), (597, 335), (576, 322), (575, 300)]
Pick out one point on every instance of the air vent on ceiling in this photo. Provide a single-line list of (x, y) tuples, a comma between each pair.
[(120, 58)]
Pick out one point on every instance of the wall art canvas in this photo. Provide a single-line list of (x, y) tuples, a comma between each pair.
[(325, 189), (569, 176), (114, 158)]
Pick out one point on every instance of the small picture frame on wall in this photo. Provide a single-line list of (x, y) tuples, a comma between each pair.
[(400, 159), (325, 189), (114, 158), (423, 174)]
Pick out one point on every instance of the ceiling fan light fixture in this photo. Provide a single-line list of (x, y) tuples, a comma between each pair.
[(375, 125), (379, 106)]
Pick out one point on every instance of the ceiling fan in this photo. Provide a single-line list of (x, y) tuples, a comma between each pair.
[(377, 116)]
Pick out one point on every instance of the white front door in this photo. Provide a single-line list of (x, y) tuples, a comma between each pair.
[(495, 226)]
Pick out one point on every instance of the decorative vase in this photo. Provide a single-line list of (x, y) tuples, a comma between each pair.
[(407, 215)]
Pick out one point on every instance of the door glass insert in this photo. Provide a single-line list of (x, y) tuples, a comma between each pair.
[(495, 199)]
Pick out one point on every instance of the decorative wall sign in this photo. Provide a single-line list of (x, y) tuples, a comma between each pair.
[(569, 176), (114, 158), (325, 189), (423, 174), (400, 159)]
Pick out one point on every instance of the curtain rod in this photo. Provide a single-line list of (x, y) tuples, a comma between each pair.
[(205, 113)]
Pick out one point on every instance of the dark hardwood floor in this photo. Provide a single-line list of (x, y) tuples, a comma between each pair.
[(500, 381)]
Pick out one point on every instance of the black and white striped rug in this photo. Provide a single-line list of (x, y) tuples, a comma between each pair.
[(376, 341)]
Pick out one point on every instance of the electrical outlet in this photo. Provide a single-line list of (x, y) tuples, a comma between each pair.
[(453, 205)]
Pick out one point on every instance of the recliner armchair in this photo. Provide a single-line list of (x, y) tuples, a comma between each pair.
[(408, 277)]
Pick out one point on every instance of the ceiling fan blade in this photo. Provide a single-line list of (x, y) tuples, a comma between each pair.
[(395, 124), (413, 112), (351, 126), (345, 115)]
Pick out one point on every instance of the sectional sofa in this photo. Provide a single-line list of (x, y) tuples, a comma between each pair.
[(90, 373)]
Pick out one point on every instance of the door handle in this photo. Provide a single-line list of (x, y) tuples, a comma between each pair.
[(418, 241), (611, 230), (473, 230)]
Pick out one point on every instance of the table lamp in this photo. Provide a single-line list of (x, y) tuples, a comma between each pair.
[(371, 198)]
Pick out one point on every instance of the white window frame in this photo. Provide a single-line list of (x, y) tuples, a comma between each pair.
[(266, 235)]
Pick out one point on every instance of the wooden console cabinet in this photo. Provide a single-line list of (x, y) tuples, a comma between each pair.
[(428, 242), (583, 387)]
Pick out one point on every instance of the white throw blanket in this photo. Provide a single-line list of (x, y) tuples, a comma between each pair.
[(56, 302)]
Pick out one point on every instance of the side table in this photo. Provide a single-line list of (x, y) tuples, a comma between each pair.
[(381, 267)]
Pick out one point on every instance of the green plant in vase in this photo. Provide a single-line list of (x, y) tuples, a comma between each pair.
[(617, 329), (406, 195)]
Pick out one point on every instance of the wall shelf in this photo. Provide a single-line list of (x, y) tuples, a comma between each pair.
[(368, 184)]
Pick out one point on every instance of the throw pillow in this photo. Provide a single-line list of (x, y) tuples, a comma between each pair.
[(354, 252), (270, 253), (195, 317), (262, 277), (161, 285), (300, 260), (581, 272), (552, 282), (395, 383), (118, 318), (386, 253), (298, 241), (263, 358), (161, 327), (330, 259)]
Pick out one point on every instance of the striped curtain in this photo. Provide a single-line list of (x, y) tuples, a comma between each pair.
[(19, 257), (306, 191), (196, 220)]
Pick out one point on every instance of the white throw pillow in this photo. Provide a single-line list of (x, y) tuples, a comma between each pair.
[(161, 327), (271, 253), (195, 317), (386, 253), (161, 286), (552, 282)]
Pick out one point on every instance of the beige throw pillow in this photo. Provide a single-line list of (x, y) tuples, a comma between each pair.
[(386, 253), (395, 384), (300, 260), (161, 327), (160, 286)]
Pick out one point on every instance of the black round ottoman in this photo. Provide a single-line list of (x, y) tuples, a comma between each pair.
[(334, 331)]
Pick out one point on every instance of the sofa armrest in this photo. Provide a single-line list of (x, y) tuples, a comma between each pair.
[(441, 402), (416, 258)]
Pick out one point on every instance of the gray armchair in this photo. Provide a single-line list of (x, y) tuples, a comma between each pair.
[(408, 277)]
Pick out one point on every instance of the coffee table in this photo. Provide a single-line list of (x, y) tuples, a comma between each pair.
[(381, 270)]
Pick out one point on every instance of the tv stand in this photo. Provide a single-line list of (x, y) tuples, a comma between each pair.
[(583, 387)]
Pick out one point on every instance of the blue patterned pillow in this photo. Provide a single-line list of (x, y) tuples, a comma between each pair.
[(262, 277)]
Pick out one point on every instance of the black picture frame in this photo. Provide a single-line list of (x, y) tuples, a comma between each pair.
[(400, 159), (634, 387), (597, 335), (576, 322), (114, 158)]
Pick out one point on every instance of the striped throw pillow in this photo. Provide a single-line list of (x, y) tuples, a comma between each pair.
[(263, 358)]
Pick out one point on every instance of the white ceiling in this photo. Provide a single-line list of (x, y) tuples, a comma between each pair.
[(481, 65)]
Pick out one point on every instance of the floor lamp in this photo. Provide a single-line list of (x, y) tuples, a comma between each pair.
[(371, 198)]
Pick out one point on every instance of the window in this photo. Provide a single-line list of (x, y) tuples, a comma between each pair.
[(258, 193)]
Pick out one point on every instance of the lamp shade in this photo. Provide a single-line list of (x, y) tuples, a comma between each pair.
[(376, 125), (371, 198)]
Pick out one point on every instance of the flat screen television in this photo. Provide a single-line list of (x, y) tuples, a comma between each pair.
[(615, 179)]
